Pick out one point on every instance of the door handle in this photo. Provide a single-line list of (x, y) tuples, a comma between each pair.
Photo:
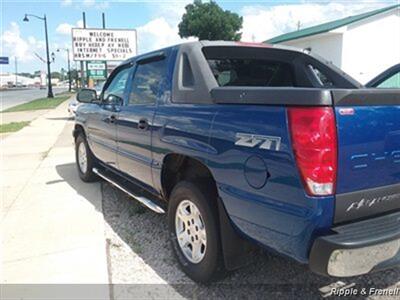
[(111, 119), (143, 124)]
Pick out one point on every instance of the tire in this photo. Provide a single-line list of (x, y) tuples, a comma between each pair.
[(81, 146), (210, 266)]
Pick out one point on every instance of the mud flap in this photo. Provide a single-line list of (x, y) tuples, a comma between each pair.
[(236, 250)]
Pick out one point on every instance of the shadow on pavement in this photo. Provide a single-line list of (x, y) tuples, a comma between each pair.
[(62, 118), (140, 233), (87, 190)]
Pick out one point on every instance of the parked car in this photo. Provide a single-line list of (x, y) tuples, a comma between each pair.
[(389, 78), (99, 87), (72, 106), (250, 144)]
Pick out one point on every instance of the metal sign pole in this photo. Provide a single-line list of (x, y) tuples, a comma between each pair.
[(86, 63), (104, 27), (82, 68), (16, 72)]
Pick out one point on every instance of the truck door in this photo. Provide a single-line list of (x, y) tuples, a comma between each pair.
[(101, 122), (135, 120), (390, 78)]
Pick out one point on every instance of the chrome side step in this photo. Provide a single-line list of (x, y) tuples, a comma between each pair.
[(145, 201)]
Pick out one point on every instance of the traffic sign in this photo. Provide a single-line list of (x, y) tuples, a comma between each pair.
[(4, 60), (96, 65), (97, 74)]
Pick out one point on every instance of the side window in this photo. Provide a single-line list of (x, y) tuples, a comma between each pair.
[(146, 82), (118, 84), (391, 82)]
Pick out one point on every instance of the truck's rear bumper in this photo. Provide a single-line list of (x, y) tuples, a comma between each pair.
[(358, 248)]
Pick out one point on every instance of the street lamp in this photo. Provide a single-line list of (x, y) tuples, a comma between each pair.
[(50, 90), (69, 68)]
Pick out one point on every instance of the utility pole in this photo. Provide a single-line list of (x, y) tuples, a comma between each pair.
[(44, 19), (69, 72), (50, 89), (16, 72), (69, 67), (104, 27)]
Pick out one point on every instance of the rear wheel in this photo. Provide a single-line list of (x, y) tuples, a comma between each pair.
[(85, 160), (193, 229)]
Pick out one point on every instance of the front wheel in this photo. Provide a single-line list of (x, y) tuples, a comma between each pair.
[(85, 161), (193, 229)]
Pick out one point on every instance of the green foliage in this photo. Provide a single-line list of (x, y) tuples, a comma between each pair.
[(56, 75), (13, 126), (74, 76), (208, 21), (42, 103), (29, 75)]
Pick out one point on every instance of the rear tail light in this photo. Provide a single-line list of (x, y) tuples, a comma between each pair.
[(313, 132)]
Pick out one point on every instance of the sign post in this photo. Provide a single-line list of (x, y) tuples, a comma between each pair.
[(103, 17)]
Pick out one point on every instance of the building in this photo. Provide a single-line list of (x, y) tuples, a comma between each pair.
[(9, 79), (363, 45)]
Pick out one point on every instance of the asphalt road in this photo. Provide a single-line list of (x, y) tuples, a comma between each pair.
[(14, 97)]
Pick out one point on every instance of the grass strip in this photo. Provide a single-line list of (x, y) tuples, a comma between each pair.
[(41, 103), (13, 126)]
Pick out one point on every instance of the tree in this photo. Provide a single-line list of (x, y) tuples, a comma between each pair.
[(56, 75), (74, 76), (25, 74), (208, 21)]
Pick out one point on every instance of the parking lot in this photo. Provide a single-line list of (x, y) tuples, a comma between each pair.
[(139, 253)]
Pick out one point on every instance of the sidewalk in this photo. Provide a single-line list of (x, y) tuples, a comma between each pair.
[(51, 222), (19, 116)]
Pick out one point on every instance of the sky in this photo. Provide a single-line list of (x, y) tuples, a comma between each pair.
[(155, 21)]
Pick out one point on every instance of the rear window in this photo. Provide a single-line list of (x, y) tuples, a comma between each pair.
[(251, 72), (266, 66), (251, 66), (321, 77)]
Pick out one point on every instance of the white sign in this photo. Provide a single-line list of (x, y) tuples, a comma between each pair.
[(103, 44), (96, 66)]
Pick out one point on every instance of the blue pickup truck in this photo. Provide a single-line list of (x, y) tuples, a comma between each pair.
[(246, 146)]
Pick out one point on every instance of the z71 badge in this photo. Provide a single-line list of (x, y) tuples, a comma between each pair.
[(261, 141)]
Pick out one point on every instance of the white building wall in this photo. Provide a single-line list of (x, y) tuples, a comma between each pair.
[(327, 45), (362, 49), (372, 45), (10, 78)]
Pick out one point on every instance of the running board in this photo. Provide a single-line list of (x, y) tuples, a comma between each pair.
[(145, 201)]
